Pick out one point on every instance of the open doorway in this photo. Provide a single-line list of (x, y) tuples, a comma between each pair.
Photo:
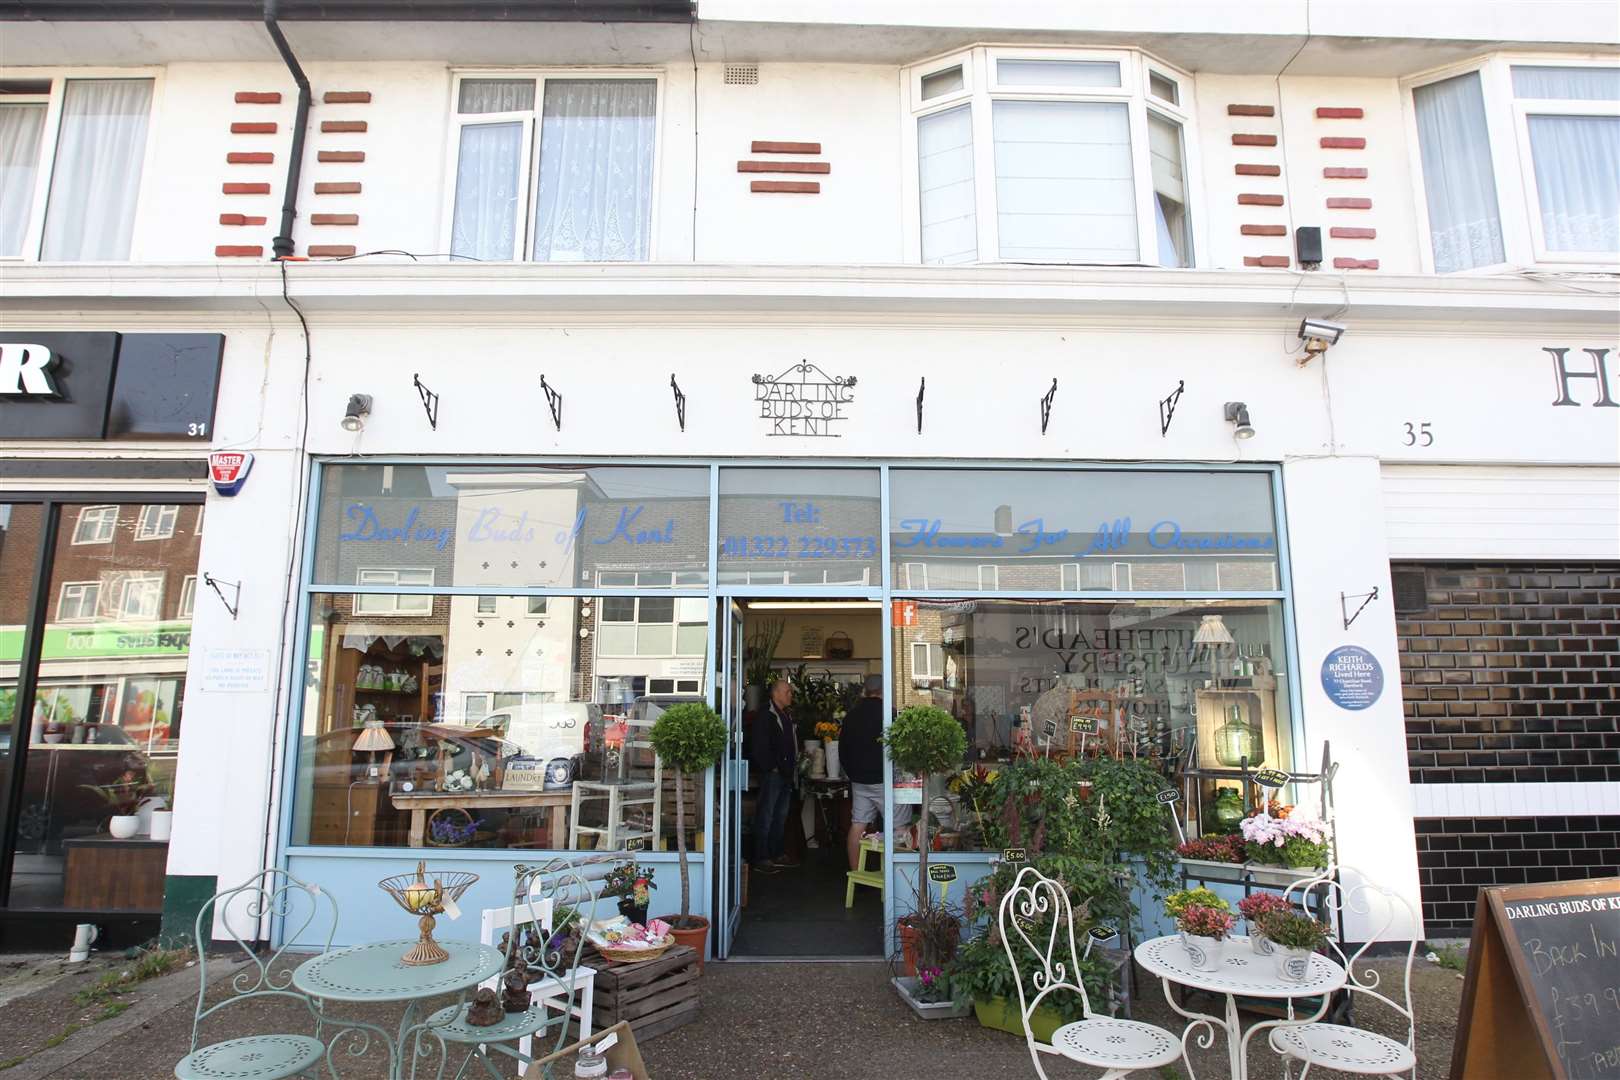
[(796, 897)]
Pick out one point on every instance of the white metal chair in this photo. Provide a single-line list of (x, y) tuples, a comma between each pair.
[(1038, 905), (1350, 1049)]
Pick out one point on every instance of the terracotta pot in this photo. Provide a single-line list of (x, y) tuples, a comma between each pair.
[(690, 930), (910, 943)]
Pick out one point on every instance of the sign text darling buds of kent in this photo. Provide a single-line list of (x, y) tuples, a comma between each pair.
[(804, 400)]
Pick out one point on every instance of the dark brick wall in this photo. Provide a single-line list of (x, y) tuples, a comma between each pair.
[(1457, 856), (1511, 674)]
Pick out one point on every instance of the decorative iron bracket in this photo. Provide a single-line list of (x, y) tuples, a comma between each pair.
[(553, 402), (680, 401), (1046, 405), (234, 604), (922, 386), (1167, 407), (430, 401), (1344, 600)]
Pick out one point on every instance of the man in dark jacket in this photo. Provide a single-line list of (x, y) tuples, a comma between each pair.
[(774, 757), (860, 749)]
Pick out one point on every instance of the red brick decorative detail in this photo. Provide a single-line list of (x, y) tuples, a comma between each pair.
[(238, 251), (1260, 200), (1334, 142), (253, 129), (1345, 203), (1250, 110), (1264, 230), (759, 147), (261, 157), (341, 155), (245, 189), (1327, 112), (347, 187), (1355, 264), (789, 187), (347, 97), (1339, 232), (820, 167), (334, 219), (330, 251), (258, 97), (1266, 260), (1258, 170), (1337, 173), (240, 219), (1254, 140), (337, 126)]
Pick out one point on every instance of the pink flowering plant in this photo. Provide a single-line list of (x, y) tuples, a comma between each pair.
[(1262, 903), (1201, 921), (1291, 841), (932, 984), (1224, 849)]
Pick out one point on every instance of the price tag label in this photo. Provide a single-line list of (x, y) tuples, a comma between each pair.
[(636, 843), (450, 907), (1014, 854), (1051, 728), (1103, 933), (1271, 778), (1169, 795), (1086, 725), (608, 1043), (942, 873)]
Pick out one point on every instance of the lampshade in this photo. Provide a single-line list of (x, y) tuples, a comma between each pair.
[(374, 737), (1212, 631)]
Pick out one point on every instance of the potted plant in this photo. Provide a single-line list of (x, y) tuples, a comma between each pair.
[(1296, 936), (1177, 902), (631, 882), (760, 651), (981, 978), (923, 739), (689, 738), (1253, 907), (1286, 839), (1202, 931)]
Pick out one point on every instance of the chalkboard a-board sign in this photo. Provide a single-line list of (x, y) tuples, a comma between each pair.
[(1543, 957)]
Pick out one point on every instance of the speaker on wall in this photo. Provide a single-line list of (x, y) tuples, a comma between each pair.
[(1308, 245)]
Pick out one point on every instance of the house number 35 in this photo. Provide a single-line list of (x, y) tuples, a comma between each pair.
[(1419, 434)]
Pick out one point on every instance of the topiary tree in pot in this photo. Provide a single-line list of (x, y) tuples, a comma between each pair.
[(924, 739), (688, 738)]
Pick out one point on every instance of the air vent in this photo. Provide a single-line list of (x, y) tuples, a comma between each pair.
[(1411, 591), (742, 74)]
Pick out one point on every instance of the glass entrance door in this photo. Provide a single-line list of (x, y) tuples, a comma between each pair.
[(733, 779)]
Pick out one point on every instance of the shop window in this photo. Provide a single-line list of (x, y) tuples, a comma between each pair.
[(92, 152), (156, 522), (188, 597), (78, 601), (579, 191), (96, 525), (488, 729), (388, 604), (799, 526), (1078, 168)]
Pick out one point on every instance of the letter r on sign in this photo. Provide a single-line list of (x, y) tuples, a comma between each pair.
[(25, 369)]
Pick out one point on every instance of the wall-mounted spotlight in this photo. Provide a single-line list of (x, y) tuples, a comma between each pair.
[(354, 415), (1319, 335), (1237, 414)]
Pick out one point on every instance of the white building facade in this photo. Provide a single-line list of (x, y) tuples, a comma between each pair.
[(619, 292)]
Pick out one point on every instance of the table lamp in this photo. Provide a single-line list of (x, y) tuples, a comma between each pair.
[(373, 737)]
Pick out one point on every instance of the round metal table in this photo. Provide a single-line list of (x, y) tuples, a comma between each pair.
[(1242, 973), (375, 973)]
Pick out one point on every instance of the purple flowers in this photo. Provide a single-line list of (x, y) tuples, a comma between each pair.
[(1264, 829)]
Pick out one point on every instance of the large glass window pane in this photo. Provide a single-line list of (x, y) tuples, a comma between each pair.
[(495, 95), (1202, 679), (20, 128), (1065, 73), (533, 527), (1049, 530), (1459, 181), (596, 167), (1064, 185), (1171, 224), (799, 526), (20, 528), (1566, 83), (945, 185), (458, 730), (1577, 160), (105, 725), (97, 173), (489, 184)]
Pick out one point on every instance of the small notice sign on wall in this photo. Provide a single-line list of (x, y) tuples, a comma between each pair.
[(1352, 677), (236, 671)]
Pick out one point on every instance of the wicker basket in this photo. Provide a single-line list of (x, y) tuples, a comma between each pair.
[(466, 821), (632, 956)]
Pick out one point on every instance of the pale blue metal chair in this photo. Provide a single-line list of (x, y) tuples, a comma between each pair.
[(554, 973), (280, 896)]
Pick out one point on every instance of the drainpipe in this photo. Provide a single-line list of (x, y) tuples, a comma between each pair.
[(282, 245)]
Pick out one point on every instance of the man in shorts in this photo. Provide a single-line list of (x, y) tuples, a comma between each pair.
[(860, 749)]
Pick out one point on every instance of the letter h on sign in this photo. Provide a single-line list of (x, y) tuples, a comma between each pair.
[(1598, 374)]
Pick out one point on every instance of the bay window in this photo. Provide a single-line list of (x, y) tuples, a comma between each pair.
[(1052, 156), (553, 169)]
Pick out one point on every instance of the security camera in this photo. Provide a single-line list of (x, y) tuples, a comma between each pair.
[(1318, 335)]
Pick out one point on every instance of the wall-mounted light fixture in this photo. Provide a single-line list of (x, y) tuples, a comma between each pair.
[(1319, 336), (355, 413), (1237, 414)]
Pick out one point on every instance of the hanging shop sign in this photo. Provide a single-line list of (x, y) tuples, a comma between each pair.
[(804, 400), (1352, 677), (228, 469), (109, 386)]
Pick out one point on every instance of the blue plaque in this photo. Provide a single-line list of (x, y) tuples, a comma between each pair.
[(1352, 677)]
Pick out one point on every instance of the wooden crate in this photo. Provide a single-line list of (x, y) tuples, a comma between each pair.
[(653, 996)]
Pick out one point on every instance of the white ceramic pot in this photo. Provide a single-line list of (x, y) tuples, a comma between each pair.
[(1293, 965), (1203, 953), (124, 826), (162, 824), (834, 771), (1262, 944), (146, 808)]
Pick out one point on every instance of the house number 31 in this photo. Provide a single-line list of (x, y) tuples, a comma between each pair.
[(1419, 434)]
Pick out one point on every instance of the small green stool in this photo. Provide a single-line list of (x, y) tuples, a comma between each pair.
[(863, 876)]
